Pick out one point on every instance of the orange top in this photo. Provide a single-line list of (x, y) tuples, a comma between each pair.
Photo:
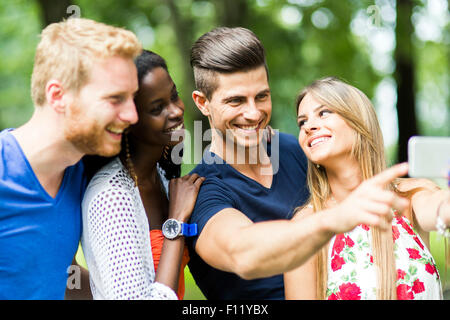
[(157, 239)]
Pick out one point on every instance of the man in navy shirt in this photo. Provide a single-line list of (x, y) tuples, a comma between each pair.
[(83, 84), (254, 178)]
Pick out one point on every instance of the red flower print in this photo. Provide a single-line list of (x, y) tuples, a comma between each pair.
[(349, 291), (414, 254), (349, 242), (418, 242), (405, 226), (337, 262), (365, 227), (333, 297), (401, 274), (404, 292), (395, 233), (339, 244), (430, 268), (418, 286)]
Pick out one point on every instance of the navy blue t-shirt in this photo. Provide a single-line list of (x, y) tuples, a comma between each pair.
[(39, 234), (225, 187)]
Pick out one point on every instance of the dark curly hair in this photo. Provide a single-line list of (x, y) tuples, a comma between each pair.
[(145, 63)]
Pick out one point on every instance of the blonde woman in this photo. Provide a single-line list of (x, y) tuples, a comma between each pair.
[(340, 135)]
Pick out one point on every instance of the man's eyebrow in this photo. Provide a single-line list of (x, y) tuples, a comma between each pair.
[(232, 97), (237, 96), (265, 91), (118, 93)]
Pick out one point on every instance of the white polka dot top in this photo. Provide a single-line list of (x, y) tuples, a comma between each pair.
[(116, 238)]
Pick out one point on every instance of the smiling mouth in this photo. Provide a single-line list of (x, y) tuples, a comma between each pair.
[(249, 128), (178, 127), (113, 130), (318, 141)]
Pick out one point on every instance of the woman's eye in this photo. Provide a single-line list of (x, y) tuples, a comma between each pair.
[(324, 112), (156, 110)]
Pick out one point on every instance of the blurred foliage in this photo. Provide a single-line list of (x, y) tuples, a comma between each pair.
[(304, 40)]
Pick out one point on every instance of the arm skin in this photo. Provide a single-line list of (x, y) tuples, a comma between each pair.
[(170, 263), (183, 194), (425, 204), (233, 243), (300, 283)]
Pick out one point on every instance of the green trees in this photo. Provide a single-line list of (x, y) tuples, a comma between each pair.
[(396, 51), (383, 47)]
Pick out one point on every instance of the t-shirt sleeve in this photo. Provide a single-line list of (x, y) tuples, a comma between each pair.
[(212, 198)]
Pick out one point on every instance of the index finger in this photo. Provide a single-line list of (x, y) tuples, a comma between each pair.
[(193, 177), (383, 178)]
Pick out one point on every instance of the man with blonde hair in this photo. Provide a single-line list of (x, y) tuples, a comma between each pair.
[(83, 84)]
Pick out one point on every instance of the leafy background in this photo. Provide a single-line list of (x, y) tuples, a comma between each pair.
[(396, 51)]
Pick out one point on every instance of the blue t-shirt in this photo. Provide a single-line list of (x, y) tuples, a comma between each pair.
[(39, 235), (225, 187)]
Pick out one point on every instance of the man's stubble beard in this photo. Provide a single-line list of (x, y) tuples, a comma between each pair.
[(87, 135)]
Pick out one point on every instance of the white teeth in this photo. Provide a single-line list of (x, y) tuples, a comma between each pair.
[(249, 127), (319, 140), (180, 126), (114, 130)]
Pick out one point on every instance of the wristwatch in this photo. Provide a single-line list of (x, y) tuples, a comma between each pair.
[(173, 228)]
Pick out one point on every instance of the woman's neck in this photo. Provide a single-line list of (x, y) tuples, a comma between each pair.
[(344, 180), (143, 159)]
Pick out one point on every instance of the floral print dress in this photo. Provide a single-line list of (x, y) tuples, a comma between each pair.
[(351, 271)]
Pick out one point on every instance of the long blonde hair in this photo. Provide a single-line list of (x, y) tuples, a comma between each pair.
[(368, 149)]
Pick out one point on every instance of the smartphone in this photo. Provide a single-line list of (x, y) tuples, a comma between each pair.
[(429, 157)]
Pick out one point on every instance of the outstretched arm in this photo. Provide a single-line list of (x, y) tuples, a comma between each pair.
[(427, 203), (231, 242)]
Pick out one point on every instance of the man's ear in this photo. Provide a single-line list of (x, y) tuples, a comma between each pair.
[(201, 102), (56, 97)]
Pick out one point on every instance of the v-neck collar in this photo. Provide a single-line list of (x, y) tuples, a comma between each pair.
[(35, 179), (274, 176)]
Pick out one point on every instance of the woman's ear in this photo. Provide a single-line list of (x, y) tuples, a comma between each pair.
[(201, 102)]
